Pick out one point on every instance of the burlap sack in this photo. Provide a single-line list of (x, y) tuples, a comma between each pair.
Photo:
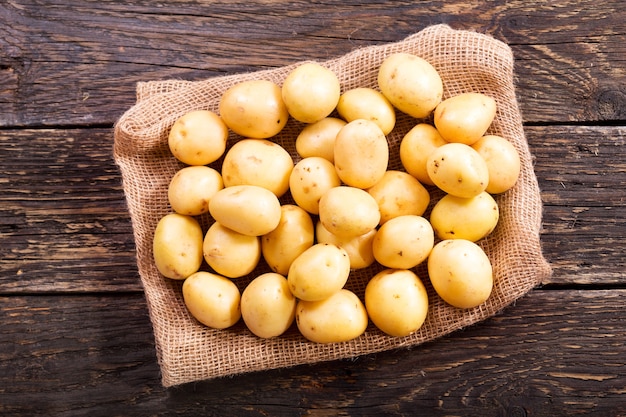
[(188, 351)]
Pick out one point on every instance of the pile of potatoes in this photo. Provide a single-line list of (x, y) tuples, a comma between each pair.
[(347, 210)]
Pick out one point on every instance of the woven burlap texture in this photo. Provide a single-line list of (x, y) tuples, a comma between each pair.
[(188, 351)]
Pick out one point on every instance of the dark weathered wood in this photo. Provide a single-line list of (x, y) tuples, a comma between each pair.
[(76, 63), (90, 355)]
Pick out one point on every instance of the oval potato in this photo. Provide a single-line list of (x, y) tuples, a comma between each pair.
[(230, 253), (415, 147), (465, 218), (177, 246), (311, 92), (458, 169), (318, 139), (198, 137), (465, 118), (369, 104), (348, 211), (191, 189), (310, 179), (403, 242), (211, 299), (503, 162), (398, 194)]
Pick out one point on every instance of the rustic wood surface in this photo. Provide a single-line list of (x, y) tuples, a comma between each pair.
[(75, 337)]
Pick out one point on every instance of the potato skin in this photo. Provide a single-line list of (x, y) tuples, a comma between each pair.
[(230, 253), (177, 246), (310, 92), (465, 118), (191, 189), (348, 211), (212, 299), (465, 218), (198, 137), (458, 169)]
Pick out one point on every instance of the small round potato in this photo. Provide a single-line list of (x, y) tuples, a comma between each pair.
[(369, 104), (248, 209), (403, 242), (396, 301), (198, 137), (465, 218), (191, 189), (361, 153), (267, 306), (177, 246), (254, 109), (212, 299), (293, 235), (348, 211), (310, 179), (399, 193), (465, 118), (415, 147), (410, 83), (318, 139), (230, 253), (338, 318), (460, 272), (319, 272), (311, 92), (359, 248), (458, 169), (258, 162), (503, 162)]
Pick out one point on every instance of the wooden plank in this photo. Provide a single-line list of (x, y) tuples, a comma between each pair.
[(65, 227), (552, 353), (69, 64)]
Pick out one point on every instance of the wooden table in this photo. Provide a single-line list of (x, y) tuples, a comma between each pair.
[(75, 336)]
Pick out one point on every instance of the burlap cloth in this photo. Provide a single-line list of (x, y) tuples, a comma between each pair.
[(188, 351)]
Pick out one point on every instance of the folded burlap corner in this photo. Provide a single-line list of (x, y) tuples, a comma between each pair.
[(188, 351)]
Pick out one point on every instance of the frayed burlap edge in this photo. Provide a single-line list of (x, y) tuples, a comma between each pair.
[(188, 351)]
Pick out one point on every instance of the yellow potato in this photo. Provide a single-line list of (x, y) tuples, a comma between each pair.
[(254, 109), (465, 118), (410, 83), (415, 147), (248, 209), (403, 242), (198, 137), (348, 211), (503, 162), (267, 306), (399, 193), (458, 169), (339, 318), (369, 104), (465, 218), (211, 299), (177, 246), (359, 248), (310, 179), (230, 253), (318, 139), (293, 235), (361, 153), (396, 301), (311, 92), (460, 273), (258, 162), (319, 272), (191, 189)]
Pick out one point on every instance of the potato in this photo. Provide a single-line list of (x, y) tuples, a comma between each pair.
[(460, 273), (211, 299), (348, 211), (396, 301), (399, 193), (310, 179), (198, 137), (311, 92), (177, 246), (410, 83), (465, 218), (258, 162), (503, 162), (319, 272), (359, 248), (191, 189), (254, 109), (458, 169), (293, 235), (230, 253), (369, 104), (361, 153), (318, 139), (248, 209), (465, 118), (267, 306), (415, 147), (403, 242), (339, 318)]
